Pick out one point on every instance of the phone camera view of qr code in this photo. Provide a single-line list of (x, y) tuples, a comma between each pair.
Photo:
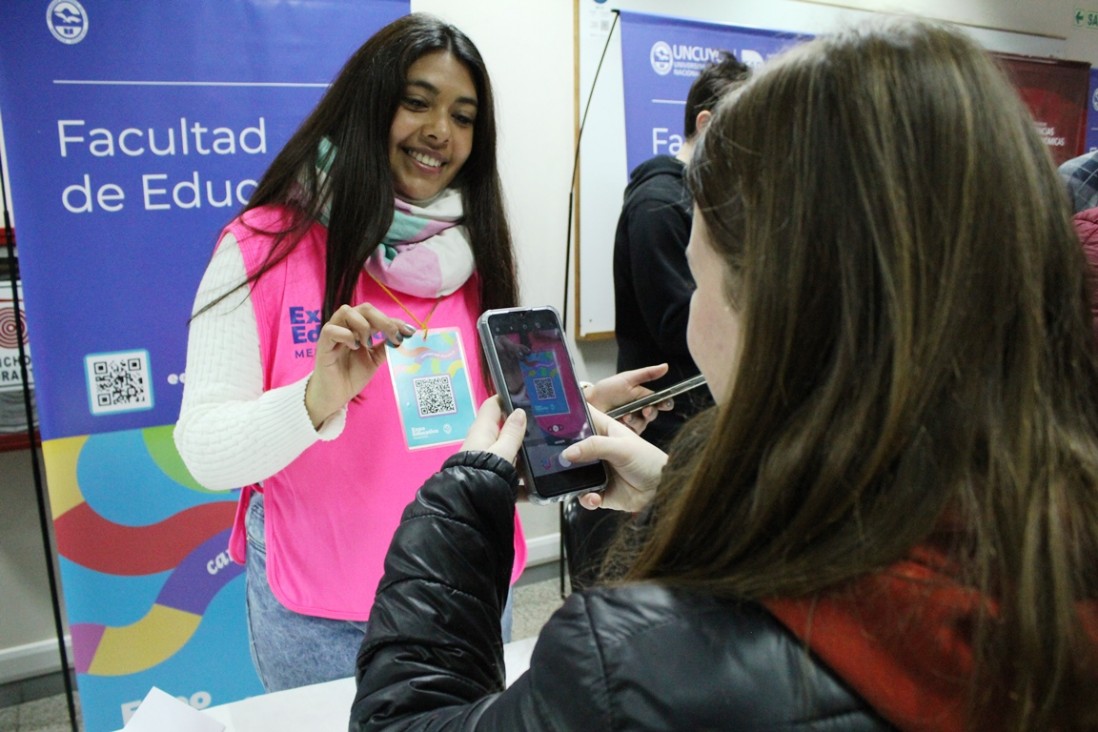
[(435, 396), (544, 389), (118, 382)]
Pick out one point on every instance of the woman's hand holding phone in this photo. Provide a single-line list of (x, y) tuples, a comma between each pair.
[(635, 465), (624, 387), (557, 412), (488, 435)]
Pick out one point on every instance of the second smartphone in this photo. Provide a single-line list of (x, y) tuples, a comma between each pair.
[(532, 370)]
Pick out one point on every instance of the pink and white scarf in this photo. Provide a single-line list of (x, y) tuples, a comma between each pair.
[(426, 252)]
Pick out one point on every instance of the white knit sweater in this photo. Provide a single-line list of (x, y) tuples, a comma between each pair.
[(230, 432)]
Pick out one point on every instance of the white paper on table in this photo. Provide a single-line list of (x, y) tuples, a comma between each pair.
[(324, 707), (162, 712)]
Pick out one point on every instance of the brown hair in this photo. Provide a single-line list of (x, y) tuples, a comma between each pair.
[(916, 345)]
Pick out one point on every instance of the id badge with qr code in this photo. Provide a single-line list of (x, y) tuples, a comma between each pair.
[(431, 384)]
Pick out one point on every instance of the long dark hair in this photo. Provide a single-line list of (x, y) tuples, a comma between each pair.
[(712, 83), (917, 356), (356, 114)]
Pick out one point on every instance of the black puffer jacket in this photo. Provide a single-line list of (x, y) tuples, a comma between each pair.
[(629, 658)]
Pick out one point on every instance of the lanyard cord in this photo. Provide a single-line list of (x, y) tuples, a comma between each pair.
[(421, 323)]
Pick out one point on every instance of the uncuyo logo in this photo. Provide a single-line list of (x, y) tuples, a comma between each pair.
[(67, 21), (661, 58)]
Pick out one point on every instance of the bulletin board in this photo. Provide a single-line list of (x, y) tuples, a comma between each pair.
[(602, 168)]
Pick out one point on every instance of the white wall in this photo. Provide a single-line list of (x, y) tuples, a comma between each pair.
[(528, 47)]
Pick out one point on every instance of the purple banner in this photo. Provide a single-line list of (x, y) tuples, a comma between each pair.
[(661, 57), (133, 132), (1091, 141)]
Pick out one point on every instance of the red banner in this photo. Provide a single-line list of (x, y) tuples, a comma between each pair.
[(1056, 93)]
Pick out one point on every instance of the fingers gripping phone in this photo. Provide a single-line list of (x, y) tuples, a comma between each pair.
[(532, 369), (657, 396)]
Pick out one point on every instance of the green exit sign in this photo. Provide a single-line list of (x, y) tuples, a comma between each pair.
[(1086, 19)]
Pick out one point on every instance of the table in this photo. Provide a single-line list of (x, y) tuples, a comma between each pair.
[(324, 707)]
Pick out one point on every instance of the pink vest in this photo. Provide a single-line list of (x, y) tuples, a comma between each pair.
[(331, 514)]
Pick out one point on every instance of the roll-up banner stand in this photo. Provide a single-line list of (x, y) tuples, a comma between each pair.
[(133, 131), (661, 57)]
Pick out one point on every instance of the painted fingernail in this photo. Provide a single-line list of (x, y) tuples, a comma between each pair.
[(407, 329)]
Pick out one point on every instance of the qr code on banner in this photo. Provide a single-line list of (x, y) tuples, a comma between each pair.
[(118, 382), (435, 395), (544, 390)]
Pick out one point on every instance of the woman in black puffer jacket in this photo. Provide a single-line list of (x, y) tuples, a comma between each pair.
[(890, 519)]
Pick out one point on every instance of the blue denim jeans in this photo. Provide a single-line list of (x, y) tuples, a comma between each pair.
[(290, 649)]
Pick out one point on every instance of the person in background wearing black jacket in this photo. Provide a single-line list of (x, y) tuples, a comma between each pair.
[(652, 283), (890, 517)]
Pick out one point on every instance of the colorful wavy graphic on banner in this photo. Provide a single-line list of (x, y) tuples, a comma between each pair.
[(186, 543)]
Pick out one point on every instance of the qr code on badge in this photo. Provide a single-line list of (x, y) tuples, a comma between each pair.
[(435, 395), (544, 390), (118, 382)]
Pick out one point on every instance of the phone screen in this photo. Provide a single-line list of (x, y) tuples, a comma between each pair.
[(533, 371)]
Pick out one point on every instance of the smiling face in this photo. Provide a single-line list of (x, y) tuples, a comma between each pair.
[(432, 132), (713, 332)]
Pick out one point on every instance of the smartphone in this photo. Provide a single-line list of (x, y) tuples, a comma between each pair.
[(533, 370), (656, 397)]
